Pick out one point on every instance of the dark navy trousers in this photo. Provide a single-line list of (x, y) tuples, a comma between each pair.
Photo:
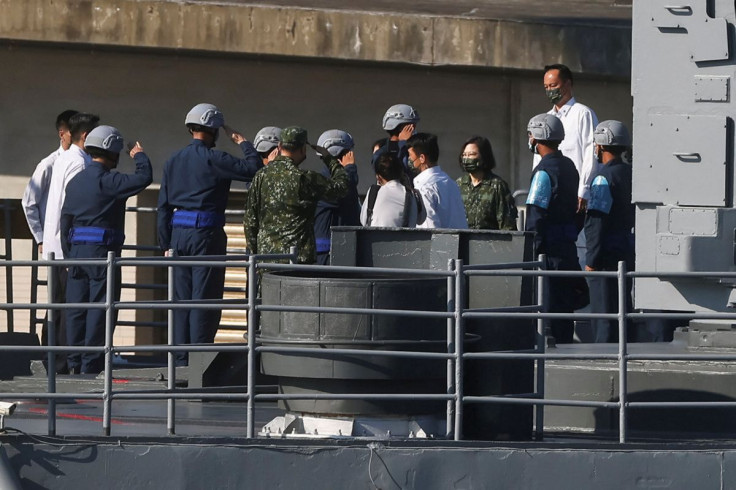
[(561, 296), (197, 326), (88, 284)]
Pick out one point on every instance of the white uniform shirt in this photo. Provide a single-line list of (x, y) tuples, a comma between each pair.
[(442, 200), (69, 164), (388, 210), (579, 122), (36, 193)]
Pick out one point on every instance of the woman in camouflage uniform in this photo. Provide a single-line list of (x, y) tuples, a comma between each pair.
[(489, 204)]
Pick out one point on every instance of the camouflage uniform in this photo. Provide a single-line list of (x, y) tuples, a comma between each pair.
[(489, 205), (279, 212)]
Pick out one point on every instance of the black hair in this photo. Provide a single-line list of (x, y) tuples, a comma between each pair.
[(565, 73), (95, 152), (425, 144), (485, 150), (63, 118), (380, 143), (554, 144), (616, 151), (389, 167), (201, 129), (81, 123)]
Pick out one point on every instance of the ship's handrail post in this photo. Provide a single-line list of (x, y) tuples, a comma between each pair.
[(109, 325), (541, 348), (293, 251), (171, 355), (459, 337), (252, 287), (33, 312), (622, 351), (51, 339), (450, 349), (8, 256)]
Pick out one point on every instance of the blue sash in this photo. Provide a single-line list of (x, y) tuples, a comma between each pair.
[(197, 219), (323, 245), (95, 235)]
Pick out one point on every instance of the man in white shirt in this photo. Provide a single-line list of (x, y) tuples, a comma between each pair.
[(440, 194), (579, 122), (34, 197), (69, 164), (34, 207)]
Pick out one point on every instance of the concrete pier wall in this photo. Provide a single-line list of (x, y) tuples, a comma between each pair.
[(469, 67), (591, 36), (146, 94)]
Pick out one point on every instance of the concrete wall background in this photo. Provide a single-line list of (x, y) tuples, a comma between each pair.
[(147, 94)]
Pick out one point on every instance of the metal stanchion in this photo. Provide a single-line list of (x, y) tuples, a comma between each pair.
[(459, 337), (109, 326), (51, 339), (33, 312), (293, 251), (542, 285), (7, 208), (622, 352), (450, 349), (171, 356), (252, 321)]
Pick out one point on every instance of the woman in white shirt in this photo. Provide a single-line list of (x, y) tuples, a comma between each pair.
[(391, 203)]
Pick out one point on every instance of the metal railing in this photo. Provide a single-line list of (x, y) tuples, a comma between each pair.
[(6, 207), (37, 282), (456, 314)]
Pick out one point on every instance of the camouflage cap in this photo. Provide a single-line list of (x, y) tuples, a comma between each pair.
[(294, 136)]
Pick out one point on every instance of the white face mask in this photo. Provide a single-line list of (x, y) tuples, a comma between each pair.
[(597, 155), (533, 147)]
